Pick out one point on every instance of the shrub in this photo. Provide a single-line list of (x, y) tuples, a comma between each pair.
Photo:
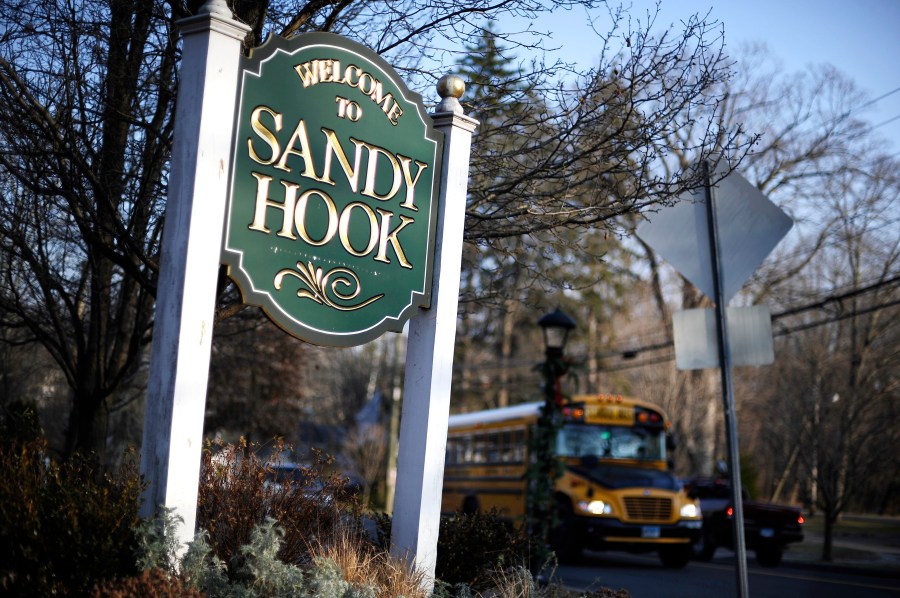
[(152, 583), (471, 548), (64, 526), (237, 494), (344, 566), (19, 423)]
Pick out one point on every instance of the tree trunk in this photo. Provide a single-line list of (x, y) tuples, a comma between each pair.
[(506, 344), (86, 432), (830, 520)]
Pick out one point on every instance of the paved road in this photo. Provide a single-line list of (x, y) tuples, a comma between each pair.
[(644, 577)]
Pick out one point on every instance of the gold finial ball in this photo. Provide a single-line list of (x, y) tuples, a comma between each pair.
[(451, 86)]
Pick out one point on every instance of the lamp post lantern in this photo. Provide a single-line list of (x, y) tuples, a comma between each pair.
[(555, 327)]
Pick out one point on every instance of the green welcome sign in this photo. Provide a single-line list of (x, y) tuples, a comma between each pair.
[(330, 221)]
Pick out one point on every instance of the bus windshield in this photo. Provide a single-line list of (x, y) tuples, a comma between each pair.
[(611, 442)]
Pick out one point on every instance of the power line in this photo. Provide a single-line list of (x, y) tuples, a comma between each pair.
[(888, 121), (836, 298), (837, 318), (629, 355), (870, 102), (783, 314)]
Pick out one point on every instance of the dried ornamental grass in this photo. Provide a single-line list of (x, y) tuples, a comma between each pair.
[(364, 566)]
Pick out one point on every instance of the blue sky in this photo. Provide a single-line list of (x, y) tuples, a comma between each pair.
[(861, 38)]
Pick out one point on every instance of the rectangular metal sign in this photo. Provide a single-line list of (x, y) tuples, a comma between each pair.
[(749, 337)]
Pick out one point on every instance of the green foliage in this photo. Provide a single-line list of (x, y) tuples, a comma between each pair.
[(495, 88), (157, 550), (540, 478), (201, 568), (265, 575), (157, 544), (65, 526), (327, 579), (259, 572)]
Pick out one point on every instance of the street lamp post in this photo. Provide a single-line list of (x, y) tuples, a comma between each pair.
[(555, 328)]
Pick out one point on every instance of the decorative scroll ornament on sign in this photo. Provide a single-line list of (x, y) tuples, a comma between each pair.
[(317, 281)]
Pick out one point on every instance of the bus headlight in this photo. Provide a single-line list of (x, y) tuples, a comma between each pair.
[(690, 511), (595, 507)]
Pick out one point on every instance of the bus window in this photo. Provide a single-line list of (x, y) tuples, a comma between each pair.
[(506, 448), (467, 452), (518, 446), (450, 454), (610, 442), (492, 448), (478, 449)]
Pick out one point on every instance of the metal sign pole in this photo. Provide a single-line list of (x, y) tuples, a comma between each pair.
[(734, 468)]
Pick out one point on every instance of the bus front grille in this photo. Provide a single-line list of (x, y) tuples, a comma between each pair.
[(648, 508)]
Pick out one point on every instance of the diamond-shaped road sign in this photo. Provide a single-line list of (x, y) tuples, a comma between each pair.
[(749, 225)]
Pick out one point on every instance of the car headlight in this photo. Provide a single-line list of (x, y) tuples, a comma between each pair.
[(690, 511), (596, 507)]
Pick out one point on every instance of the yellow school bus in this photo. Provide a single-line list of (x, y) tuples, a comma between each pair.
[(617, 491)]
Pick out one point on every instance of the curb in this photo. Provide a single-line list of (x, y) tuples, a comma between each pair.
[(870, 569)]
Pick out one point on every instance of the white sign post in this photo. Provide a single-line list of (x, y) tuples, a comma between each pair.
[(429, 355), (185, 309), (192, 241)]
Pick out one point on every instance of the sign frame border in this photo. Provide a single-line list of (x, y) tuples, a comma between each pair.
[(232, 258)]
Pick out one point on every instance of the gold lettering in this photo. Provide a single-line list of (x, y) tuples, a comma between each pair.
[(300, 218), (326, 70), (263, 202), (384, 238), (264, 133), (410, 182), (333, 148), (344, 228), (369, 190), (378, 96), (387, 103), (310, 76), (330, 71), (347, 75), (395, 113), (367, 79), (304, 153)]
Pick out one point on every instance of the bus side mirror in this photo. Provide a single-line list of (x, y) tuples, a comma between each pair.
[(670, 442)]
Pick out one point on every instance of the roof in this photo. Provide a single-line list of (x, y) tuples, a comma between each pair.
[(495, 415)]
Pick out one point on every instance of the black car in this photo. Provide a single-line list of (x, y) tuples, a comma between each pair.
[(768, 528)]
